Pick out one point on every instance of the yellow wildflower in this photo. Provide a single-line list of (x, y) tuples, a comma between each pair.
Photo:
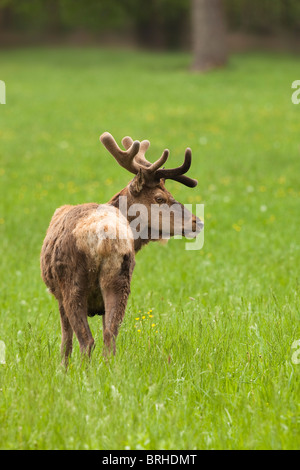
[(237, 227), (282, 180)]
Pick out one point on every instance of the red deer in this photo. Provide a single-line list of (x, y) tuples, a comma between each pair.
[(88, 254)]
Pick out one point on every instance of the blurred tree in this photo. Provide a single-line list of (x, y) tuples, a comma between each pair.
[(148, 23), (263, 16), (53, 14), (162, 23), (6, 15), (209, 34), (94, 15)]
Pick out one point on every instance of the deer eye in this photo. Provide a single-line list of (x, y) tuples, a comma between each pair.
[(160, 199)]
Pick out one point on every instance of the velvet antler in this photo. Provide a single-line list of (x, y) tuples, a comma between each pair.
[(133, 159)]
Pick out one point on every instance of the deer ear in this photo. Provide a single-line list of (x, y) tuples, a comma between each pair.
[(137, 183)]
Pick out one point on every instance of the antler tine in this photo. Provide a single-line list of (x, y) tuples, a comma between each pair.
[(125, 158), (186, 180), (127, 142), (156, 165), (178, 174), (171, 172), (140, 159)]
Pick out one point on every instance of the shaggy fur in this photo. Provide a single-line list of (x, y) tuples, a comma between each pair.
[(88, 272)]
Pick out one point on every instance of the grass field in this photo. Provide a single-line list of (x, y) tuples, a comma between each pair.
[(210, 366)]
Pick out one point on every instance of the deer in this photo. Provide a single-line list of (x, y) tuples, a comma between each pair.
[(88, 254)]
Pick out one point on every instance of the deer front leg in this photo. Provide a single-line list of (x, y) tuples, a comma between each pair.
[(115, 291)]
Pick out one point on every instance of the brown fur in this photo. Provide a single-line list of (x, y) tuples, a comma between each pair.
[(84, 275)]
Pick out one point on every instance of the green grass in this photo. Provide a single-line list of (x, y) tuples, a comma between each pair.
[(216, 370)]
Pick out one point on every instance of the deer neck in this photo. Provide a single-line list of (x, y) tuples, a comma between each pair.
[(115, 201)]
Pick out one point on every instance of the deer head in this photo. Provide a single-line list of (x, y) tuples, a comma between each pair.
[(160, 215)]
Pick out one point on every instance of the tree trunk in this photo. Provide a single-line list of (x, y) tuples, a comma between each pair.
[(149, 27), (53, 13), (208, 34), (6, 18)]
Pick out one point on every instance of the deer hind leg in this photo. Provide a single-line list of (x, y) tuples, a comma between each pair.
[(75, 307), (115, 305), (66, 335), (115, 287)]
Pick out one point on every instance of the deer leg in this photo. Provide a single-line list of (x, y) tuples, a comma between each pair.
[(67, 335), (76, 311), (103, 323), (115, 305), (115, 291)]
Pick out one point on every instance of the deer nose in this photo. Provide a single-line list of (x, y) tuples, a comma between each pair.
[(198, 225)]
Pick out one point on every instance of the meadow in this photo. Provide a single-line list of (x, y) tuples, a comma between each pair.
[(204, 356)]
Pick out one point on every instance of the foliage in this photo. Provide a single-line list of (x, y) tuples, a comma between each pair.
[(263, 16), (162, 22)]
